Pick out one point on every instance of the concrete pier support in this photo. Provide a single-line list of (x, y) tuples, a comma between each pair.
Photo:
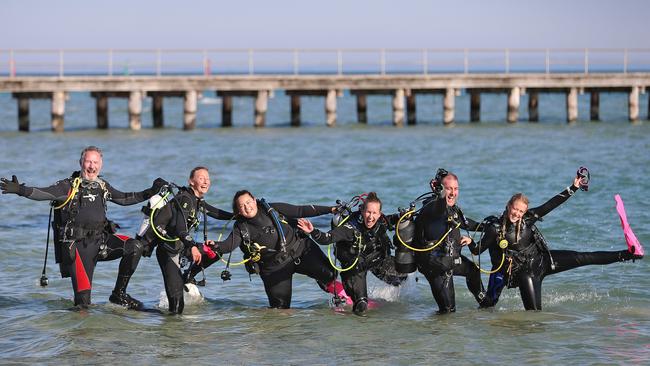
[(226, 111), (594, 105), (449, 104), (410, 109), (474, 106), (157, 111), (514, 99), (189, 109), (295, 110), (362, 108), (398, 107), (101, 111), (261, 105), (633, 104), (58, 110), (330, 108), (533, 106), (23, 114), (135, 110), (572, 105)]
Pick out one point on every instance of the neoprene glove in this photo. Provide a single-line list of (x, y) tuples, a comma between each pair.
[(156, 185), (12, 186)]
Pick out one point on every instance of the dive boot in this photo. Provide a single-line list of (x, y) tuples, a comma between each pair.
[(124, 299), (360, 307)]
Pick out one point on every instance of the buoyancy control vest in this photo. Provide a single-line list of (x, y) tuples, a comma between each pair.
[(88, 197)]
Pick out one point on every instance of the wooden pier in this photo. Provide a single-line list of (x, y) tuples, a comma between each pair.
[(402, 87)]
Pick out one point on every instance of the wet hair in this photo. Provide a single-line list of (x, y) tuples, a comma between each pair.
[(372, 197), (515, 197), (90, 148), (196, 169), (238, 194)]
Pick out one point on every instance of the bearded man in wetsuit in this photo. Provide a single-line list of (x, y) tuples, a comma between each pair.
[(82, 233), (438, 227)]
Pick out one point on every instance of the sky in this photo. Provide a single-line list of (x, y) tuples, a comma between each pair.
[(38, 24)]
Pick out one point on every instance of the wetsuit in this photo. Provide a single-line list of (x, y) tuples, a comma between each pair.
[(178, 219), (361, 249), (527, 258), (276, 264), (439, 224), (83, 235)]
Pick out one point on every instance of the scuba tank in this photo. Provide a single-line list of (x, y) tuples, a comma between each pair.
[(156, 201), (404, 257)]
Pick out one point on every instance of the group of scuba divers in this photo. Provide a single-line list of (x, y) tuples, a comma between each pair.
[(277, 240)]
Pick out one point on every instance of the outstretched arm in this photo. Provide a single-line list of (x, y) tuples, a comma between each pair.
[(216, 213), (131, 198), (57, 192), (292, 211), (340, 233), (554, 202)]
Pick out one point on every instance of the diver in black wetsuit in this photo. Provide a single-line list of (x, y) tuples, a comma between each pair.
[(520, 256), (174, 223), (275, 247), (438, 226), (361, 245), (82, 233)]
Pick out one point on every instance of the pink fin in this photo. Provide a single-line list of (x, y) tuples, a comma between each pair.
[(633, 244), (336, 288)]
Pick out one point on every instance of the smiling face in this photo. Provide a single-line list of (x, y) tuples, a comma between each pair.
[(91, 165), (371, 213), (200, 182), (450, 184), (516, 210), (246, 206)]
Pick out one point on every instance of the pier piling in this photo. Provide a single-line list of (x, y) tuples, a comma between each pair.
[(410, 108), (572, 105), (330, 108), (514, 99), (58, 110), (449, 103), (189, 109), (23, 114), (533, 106), (474, 106), (398, 107), (295, 110), (261, 105), (362, 108), (594, 105), (135, 110), (633, 104)]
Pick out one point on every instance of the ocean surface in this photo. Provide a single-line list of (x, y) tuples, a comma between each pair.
[(592, 315)]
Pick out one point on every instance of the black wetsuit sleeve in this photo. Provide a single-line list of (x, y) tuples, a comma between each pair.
[(391, 220), (232, 242), (216, 213), (550, 205), (294, 212), (341, 233), (471, 225), (489, 239), (57, 192), (128, 198)]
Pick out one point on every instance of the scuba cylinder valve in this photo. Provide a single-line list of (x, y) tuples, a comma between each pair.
[(156, 201)]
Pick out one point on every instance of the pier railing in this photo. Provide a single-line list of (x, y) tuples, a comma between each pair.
[(301, 61)]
